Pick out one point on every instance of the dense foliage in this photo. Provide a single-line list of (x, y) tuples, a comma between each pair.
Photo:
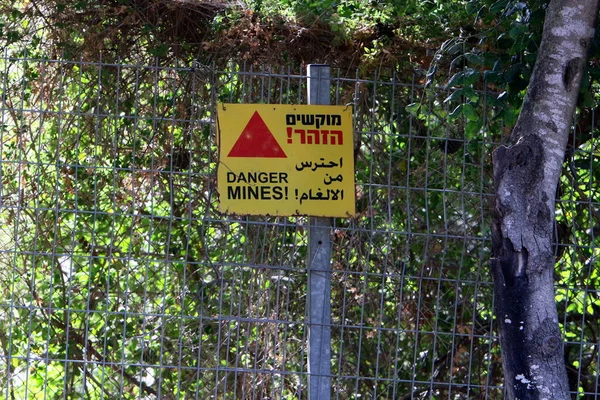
[(120, 277)]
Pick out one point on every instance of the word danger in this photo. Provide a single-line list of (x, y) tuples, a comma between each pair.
[(257, 177), (316, 120), (316, 136)]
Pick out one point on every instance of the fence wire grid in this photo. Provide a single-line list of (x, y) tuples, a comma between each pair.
[(120, 278)]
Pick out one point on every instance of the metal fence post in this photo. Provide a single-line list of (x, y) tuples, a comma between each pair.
[(319, 270)]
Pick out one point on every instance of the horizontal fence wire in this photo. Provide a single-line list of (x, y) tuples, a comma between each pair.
[(121, 278)]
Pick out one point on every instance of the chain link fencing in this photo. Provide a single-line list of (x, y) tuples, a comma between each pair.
[(120, 278)]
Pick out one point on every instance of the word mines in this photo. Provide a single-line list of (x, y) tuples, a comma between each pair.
[(285, 160)]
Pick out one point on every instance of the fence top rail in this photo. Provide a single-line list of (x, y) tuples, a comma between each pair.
[(379, 79), (259, 72)]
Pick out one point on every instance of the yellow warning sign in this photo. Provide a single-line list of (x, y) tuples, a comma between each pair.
[(286, 160)]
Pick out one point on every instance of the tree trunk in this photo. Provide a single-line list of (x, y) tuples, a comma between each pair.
[(525, 178)]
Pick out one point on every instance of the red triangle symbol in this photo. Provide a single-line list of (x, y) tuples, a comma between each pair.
[(257, 141)]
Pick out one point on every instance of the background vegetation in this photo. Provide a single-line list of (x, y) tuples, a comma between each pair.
[(119, 276)]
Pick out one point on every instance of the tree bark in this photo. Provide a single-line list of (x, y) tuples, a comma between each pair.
[(526, 175)]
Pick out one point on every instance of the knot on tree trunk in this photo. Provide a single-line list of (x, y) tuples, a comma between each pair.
[(548, 342)]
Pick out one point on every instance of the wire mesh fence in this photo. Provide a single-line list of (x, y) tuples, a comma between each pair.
[(120, 278)]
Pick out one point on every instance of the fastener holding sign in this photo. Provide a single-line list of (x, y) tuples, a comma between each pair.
[(286, 160)]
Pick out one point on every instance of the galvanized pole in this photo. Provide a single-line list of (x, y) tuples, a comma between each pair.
[(319, 270)]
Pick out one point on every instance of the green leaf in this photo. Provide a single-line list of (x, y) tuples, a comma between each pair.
[(431, 74), (472, 128), (504, 42), (517, 31), (456, 63), (159, 51), (508, 116), (456, 48), (446, 44), (469, 112), (519, 6), (493, 102), (413, 108), (470, 94), (498, 6), (462, 94), (475, 59), (512, 72), (456, 80), (456, 95), (455, 113), (493, 77), (471, 76)]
